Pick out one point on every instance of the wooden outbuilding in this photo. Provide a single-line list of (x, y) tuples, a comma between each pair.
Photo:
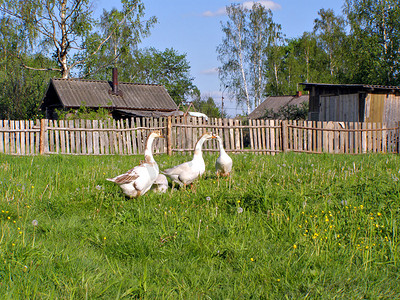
[(121, 99), (353, 102)]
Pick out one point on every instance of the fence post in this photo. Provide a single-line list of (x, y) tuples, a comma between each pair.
[(284, 135), (169, 136), (42, 135), (397, 138)]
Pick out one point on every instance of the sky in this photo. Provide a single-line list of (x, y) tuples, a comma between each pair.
[(193, 27)]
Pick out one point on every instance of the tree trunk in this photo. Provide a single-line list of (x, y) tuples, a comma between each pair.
[(64, 45)]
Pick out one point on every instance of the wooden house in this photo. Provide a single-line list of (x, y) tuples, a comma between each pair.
[(274, 103), (353, 102), (121, 99)]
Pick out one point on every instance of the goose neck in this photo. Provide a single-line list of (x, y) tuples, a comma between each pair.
[(148, 154), (221, 146)]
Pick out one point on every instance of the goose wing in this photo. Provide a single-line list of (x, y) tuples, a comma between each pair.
[(179, 169), (125, 178)]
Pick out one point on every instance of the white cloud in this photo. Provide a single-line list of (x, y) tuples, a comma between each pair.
[(268, 4), (219, 12), (211, 71)]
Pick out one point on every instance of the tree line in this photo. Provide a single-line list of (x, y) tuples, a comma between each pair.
[(361, 45), (41, 39)]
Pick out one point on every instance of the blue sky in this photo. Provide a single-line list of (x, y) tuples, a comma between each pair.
[(193, 27)]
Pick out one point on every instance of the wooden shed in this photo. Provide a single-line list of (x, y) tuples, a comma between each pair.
[(353, 102)]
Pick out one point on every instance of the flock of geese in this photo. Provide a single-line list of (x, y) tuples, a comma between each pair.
[(146, 175)]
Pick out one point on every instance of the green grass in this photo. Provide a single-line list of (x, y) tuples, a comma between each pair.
[(291, 225)]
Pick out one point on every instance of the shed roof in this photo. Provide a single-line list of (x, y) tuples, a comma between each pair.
[(364, 87), (274, 103), (74, 93)]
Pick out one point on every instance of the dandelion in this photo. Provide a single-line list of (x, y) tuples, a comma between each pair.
[(239, 210), (208, 198), (252, 259), (104, 238), (294, 246), (278, 280), (379, 214)]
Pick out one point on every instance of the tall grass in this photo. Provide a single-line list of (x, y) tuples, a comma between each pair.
[(290, 225)]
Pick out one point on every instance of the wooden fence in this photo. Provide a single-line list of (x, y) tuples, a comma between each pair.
[(127, 137)]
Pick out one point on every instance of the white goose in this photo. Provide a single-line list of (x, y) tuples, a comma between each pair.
[(188, 172), (223, 165), (138, 181), (160, 185)]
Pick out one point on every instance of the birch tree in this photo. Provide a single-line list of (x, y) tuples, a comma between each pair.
[(243, 53), (234, 71), (260, 24), (330, 31), (61, 27)]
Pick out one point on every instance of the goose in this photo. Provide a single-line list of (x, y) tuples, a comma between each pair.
[(223, 165), (160, 185), (188, 172), (138, 181)]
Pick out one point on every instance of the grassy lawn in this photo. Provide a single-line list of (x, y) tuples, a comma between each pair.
[(291, 225)]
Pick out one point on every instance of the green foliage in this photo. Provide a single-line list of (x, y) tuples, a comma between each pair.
[(207, 107), (374, 41), (22, 89), (289, 225), (331, 34), (84, 113), (289, 112), (123, 31)]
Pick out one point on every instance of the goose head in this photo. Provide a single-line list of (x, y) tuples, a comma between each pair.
[(156, 134)]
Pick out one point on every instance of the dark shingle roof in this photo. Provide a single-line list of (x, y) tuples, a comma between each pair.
[(96, 93), (366, 87), (274, 103)]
